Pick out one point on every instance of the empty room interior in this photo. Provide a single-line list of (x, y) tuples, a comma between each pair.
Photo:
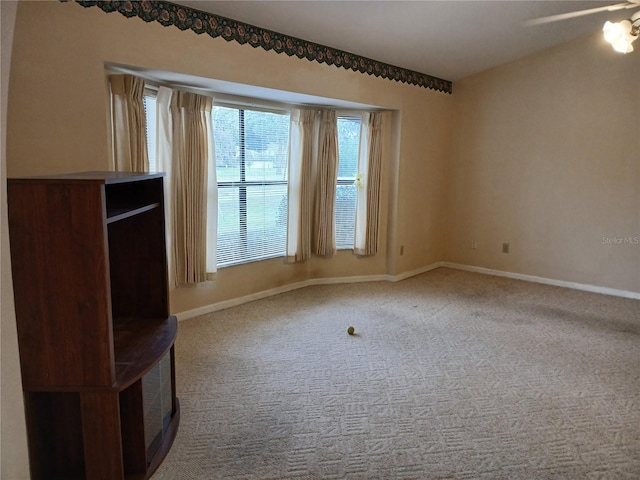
[(494, 281)]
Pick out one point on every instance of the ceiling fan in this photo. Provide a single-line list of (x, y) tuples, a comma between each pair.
[(620, 34)]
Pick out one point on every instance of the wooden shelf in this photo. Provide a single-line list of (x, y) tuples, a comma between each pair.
[(115, 214), (139, 343), (96, 341)]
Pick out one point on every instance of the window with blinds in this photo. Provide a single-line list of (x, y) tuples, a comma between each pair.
[(251, 166), (346, 189), (149, 102)]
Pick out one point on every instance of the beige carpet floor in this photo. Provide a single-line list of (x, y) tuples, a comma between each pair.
[(451, 375)]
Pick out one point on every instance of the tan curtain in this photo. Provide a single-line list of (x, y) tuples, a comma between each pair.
[(190, 119), (300, 186), (129, 124), (369, 167), (326, 178)]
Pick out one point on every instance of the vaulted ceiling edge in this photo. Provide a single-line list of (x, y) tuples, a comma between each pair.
[(185, 18)]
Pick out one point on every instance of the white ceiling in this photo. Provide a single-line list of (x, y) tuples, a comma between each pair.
[(446, 39)]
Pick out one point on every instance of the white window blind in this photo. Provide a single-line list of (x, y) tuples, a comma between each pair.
[(251, 166), (346, 189), (149, 102)]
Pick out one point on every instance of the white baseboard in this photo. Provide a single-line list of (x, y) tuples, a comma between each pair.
[(233, 302), (413, 273), (546, 281)]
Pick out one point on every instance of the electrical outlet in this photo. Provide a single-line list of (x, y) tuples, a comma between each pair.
[(401, 250), (505, 248), (474, 244)]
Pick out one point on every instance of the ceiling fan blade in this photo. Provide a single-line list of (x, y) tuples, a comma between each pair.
[(580, 13)]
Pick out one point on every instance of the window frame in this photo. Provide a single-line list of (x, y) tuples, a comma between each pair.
[(348, 114), (243, 184)]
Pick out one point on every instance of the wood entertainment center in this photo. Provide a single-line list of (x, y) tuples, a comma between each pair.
[(96, 341)]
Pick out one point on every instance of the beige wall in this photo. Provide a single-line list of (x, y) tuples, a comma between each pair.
[(59, 122), (546, 157)]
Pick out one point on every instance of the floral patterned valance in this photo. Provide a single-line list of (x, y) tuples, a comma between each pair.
[(185, 18)]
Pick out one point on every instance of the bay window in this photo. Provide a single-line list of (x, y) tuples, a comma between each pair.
[(251, 171)]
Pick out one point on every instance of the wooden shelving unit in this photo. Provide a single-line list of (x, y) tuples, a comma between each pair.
[(95, 336)]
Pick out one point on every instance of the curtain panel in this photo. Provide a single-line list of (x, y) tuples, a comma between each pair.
[(300, 186), (191, 155), (323, 241), (129, 124), (183, 134)]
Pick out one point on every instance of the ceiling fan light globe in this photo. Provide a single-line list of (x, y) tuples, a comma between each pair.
[(614, 31), (620, 35)]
